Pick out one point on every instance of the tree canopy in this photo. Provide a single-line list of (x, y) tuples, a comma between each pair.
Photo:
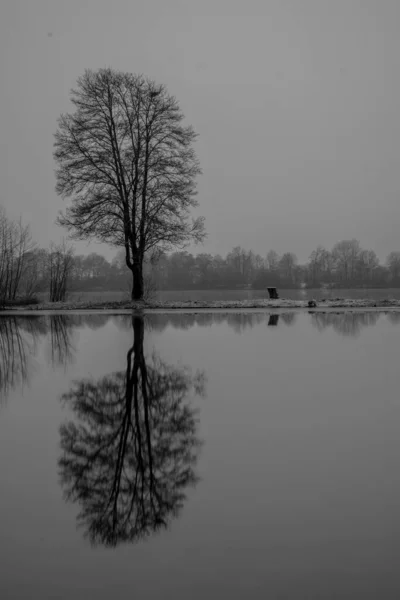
[(127, 161)]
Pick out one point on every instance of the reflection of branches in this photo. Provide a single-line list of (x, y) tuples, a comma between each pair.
[(289, 318), (13, 356), (35, 326), (62, 327), (347, 324), (394, 317), (242, 321), (132, 454), (93, 321), (17, 344), (61, 347)]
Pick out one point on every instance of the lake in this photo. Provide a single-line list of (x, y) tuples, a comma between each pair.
[(209, 455)]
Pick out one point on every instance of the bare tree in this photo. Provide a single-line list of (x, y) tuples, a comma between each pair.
[(346, 254), (150, 262), (272, 261), (35, 273), (320, 266), (15, 247), (367, 264), (60, 267), (127, 161), (393, 264), (287, 265)]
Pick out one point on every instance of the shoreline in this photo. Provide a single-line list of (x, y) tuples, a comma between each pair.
[(202, 306)]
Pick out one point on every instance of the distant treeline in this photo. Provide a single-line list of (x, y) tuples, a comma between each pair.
[(346, 265), (27, 270)]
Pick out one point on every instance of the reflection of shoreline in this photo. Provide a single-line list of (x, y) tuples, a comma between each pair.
[(238, 321), (347, 324), (130, 452), (19, 335)]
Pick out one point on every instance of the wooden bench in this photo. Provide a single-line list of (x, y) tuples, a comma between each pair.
[(273, 293)]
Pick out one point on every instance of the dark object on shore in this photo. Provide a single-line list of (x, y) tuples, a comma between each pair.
[(26, 301), (273, 293), (273, 320), (312, 304)]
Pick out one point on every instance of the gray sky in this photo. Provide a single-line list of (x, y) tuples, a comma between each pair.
[(297, 103)]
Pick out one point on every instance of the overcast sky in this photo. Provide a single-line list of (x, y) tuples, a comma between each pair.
[(297, 103)]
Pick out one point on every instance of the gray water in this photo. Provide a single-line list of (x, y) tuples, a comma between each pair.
[(200, 456)]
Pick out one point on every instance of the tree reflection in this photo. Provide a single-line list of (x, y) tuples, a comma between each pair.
[(61, 329), (19, 337), (289, 318), (61, 346), (18, 340), (131, 452), (13, 357), (346, 324), (394, 317)]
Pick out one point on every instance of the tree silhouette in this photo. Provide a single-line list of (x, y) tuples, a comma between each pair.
[(131, 451), (128, 162)]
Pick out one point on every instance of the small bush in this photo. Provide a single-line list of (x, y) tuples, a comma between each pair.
[(26, 301)]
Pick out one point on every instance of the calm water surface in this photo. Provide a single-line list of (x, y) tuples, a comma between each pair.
[(205, 455)]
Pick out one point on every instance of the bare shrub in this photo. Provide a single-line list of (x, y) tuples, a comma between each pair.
[(15, 247), (60, 267)]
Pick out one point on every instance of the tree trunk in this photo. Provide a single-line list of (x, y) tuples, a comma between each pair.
[(138, 284)]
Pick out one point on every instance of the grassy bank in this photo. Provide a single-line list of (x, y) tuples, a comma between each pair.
[(202, 305)]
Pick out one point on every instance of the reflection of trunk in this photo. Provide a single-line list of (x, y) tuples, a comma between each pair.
[(140, 367), (138, 339), (137, 284), (136, 403), (133, 383)]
